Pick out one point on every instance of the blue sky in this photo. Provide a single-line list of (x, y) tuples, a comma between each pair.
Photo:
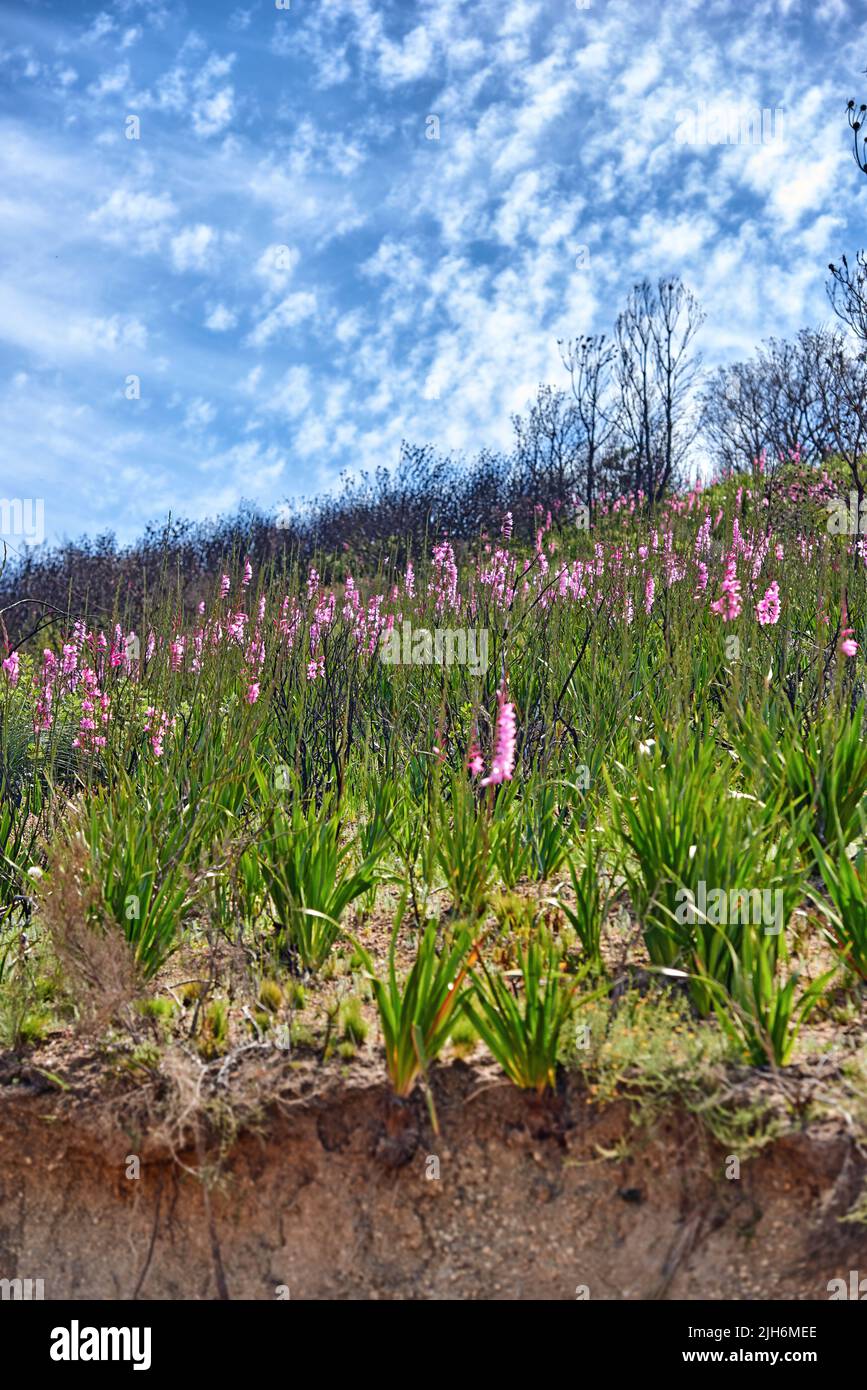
[(300, 277)]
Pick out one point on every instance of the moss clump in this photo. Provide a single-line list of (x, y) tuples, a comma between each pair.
[(513, 913), (34, 1028), (463, 1036), (145, 1056), (301, 1036), (353, 1026), (295, 994), (160, 1009), (270, 996), (215, 1029)]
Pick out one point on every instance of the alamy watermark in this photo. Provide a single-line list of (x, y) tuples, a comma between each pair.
[(745, 906), (77, 1343), (22, 1290), (847, 519), (22, 518), (722, 124), (444, 646), (855, 1290)]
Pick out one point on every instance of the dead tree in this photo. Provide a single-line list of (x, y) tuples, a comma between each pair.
[(588, 360), (656, 372)]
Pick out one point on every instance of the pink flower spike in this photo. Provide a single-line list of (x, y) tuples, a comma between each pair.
[(475, 762), (729, 603), (503, 764), (847, 646), (768, 608)]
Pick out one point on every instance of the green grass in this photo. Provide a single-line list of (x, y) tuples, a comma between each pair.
[(267, 787)]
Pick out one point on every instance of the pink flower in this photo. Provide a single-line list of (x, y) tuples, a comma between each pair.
[(43, 713), (729, 604), (253, 693), (70, 659), (93, 702), (445, 583), (157, 723), (439, 745), (248, 574), (649, 591), (507, 526), (768, 608), (118, 648), (503, 764), (475, 762), (12, 668), (225, 584), (847, 646)]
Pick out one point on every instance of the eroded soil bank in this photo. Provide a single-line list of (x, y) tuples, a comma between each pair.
[(349, 1194)]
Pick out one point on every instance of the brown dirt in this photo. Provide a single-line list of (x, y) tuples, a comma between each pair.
[(327, 1196)]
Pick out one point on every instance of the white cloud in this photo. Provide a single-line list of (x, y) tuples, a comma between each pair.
[(349, 326), (220, 319), (201, 94), (192, 248), (101, 26), (250, 469), (99, 335), (276, 264), (249, 385), (407, 61), (321, 209), (199, 414), (212, 114), (134, 219), (292, 394), (110, 83), (291, 311)]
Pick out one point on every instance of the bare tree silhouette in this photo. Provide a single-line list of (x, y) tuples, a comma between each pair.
[(856, 125), (588, 361), (656, 372), (847, 290)]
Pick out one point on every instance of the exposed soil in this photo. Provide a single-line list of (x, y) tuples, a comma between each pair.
[(334, 1194)]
